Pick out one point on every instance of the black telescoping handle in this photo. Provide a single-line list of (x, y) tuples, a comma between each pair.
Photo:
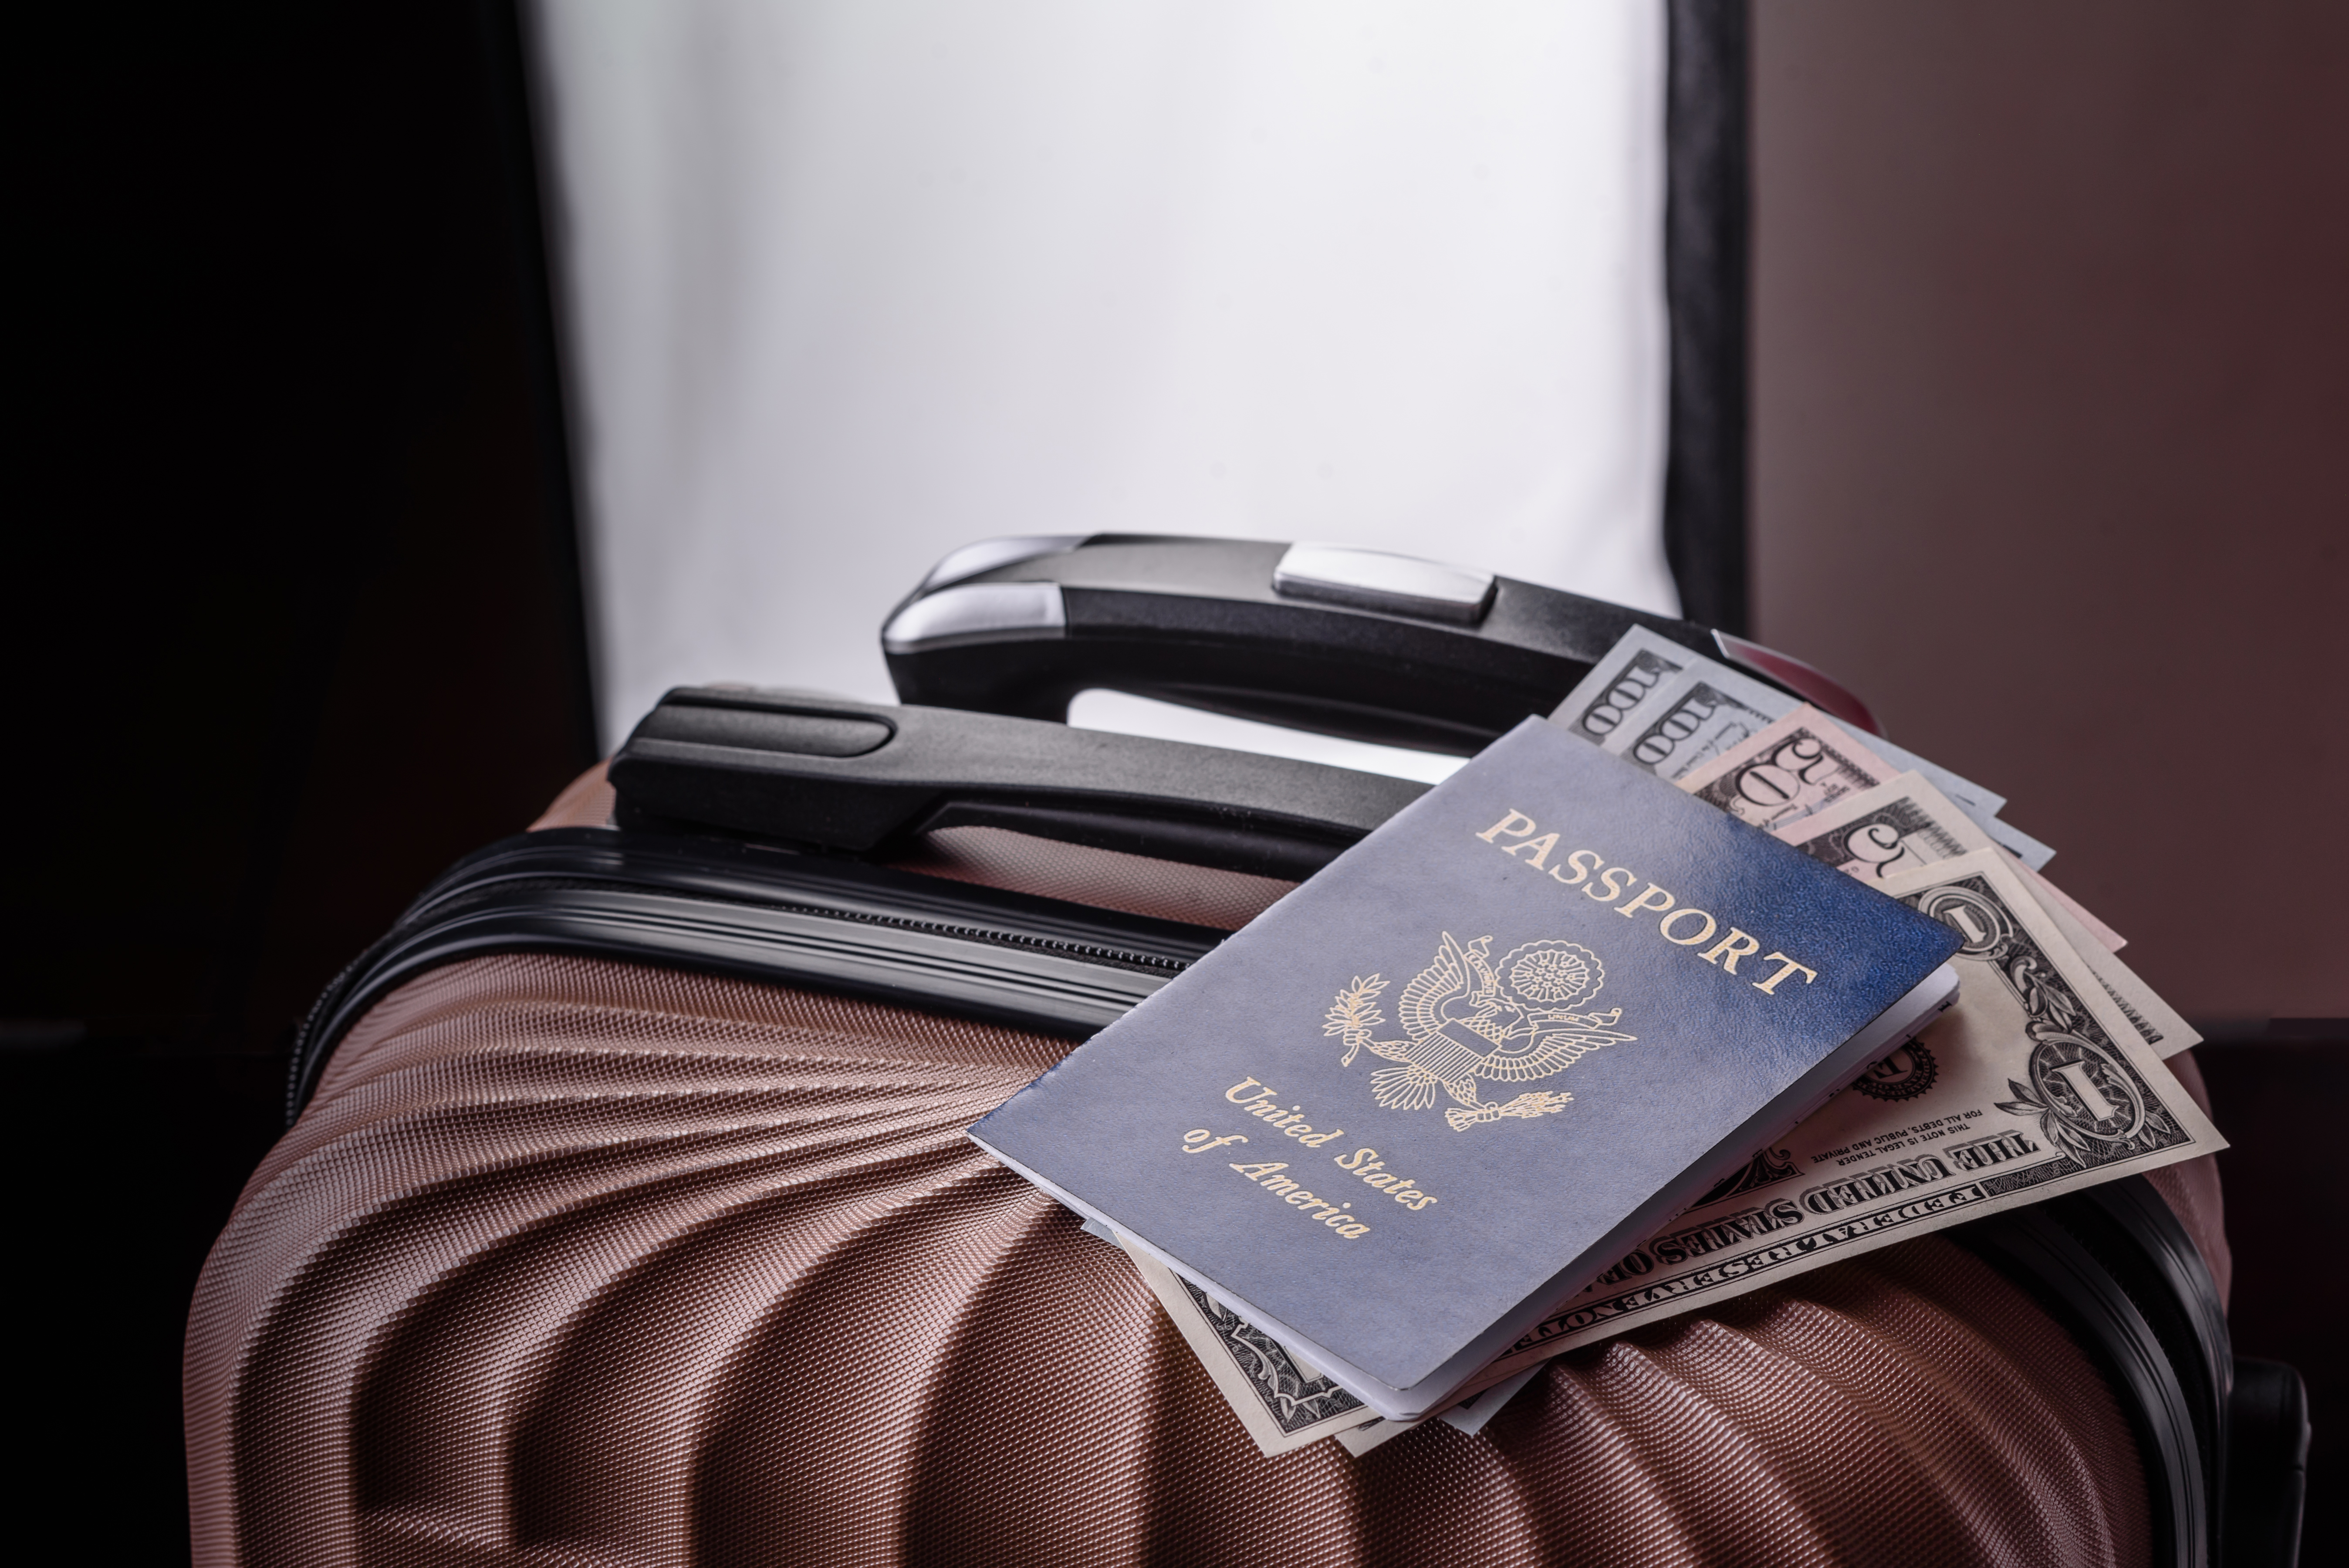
[(830, 774), (1353, 642)]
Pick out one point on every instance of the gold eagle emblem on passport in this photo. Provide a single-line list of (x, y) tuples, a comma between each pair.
[(1470, 1019)]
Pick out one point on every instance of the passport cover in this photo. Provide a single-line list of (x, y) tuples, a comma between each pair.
[(1443, 1070)]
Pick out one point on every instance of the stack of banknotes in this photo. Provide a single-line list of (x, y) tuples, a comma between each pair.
[(2046, 1076)]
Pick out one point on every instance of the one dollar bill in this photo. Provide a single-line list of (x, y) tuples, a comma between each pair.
[(1905, 824), (2032, 1085)]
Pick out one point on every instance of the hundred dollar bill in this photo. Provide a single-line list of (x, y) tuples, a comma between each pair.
[(1284, 1402), (1904, 824), (2032, 1085), (1787, 770), (1626, 675), (1686, 720)]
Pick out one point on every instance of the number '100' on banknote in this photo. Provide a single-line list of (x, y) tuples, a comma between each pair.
[(1640, 664)]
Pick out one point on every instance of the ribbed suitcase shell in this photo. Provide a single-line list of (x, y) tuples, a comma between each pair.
[(579, 1261)]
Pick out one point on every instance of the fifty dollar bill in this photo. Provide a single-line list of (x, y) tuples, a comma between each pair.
[(1787, 770), (1807, 765)]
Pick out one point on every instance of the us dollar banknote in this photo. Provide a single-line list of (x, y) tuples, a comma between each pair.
[(1625, 677), (1282, 1399), (2032, 1085), (1788, 770), (1805, 764), (1642, 701), (1284, 1403), (1693, 718), (1904, 824)]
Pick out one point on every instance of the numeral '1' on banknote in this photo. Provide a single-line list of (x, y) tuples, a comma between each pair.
[(2032, 1085)]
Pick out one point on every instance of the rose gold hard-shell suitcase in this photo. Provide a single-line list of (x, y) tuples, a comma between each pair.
[(627, 1216)]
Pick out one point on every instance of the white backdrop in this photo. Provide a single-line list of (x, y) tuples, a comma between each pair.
[(852, 282)]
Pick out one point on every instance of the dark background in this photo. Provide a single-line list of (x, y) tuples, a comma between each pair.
[(2050, 400), (2052, 464), (287, 631), (2051, 405)]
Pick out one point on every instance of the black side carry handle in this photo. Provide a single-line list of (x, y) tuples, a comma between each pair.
[(830, 774), (1353, 642)]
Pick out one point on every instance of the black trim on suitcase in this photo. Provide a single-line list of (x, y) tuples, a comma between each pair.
[(2115, 1266), (2267, 1466), (727, 908), (2138, 1238)]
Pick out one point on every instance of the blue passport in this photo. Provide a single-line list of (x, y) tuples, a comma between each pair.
[(1460, 1071)]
